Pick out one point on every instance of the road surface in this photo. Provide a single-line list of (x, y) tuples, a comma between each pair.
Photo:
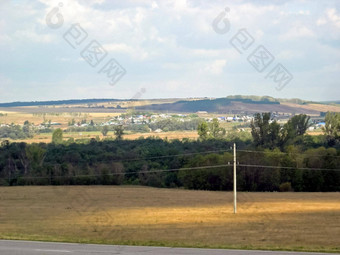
[(45, 248)]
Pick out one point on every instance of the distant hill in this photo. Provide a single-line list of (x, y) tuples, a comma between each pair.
[(272, 99), (209, 105), (58, 102), (233, 105)]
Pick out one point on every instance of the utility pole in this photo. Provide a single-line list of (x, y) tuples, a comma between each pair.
[(235, 205)]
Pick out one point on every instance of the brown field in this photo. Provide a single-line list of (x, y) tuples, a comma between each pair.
[(318, 107), (47, 137), (61, 117), (171, 217), (169, 135)]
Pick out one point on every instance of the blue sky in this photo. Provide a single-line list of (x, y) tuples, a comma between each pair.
[(168, 49)]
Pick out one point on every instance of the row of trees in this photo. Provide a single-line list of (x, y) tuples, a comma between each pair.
[(17, 131), (267, 133), (117, 130), (277, 158), (57, 136), (165, 125), (146, 162), (286, 173)]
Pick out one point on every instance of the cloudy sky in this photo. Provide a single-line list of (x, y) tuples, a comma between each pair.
[(168, 48)]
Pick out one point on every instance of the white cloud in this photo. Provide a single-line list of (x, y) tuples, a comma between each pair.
[(333, 17), (216, 67), (154, 5), (321, 21), (159, 39), (33, 36), (289, 54), (172, 85), (329, 18), (135, 53), (297, 32)]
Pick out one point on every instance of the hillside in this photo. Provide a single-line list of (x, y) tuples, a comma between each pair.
[(237, 104), (231, 106), (57, 102)]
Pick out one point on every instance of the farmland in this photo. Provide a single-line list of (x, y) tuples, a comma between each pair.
[(171, 217), (43, 119), (47, 137), (137, 215)]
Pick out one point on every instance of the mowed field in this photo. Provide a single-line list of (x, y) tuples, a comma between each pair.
[(171, 217)]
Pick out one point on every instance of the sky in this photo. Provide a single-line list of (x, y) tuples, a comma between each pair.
[(55, 50)]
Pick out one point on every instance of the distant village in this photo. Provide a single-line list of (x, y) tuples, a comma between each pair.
[(147, 118)]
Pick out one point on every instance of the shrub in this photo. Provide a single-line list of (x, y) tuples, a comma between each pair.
[(286, 187)]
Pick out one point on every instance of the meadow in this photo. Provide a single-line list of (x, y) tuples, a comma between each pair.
[(171, 217)]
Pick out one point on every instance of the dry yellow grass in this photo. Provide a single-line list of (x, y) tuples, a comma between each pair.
[(139, 215), (47, 137), (62, 118), (315, 107), (170, 135)]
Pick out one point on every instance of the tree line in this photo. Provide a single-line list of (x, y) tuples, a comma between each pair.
[(275, 158)]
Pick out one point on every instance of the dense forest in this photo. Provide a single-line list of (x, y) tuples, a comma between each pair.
[(275, 158)]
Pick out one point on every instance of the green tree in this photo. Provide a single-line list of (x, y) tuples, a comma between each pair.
[(300, 124), (211, 130), (35, 154), (57, 136), (203, 130), (215, 130), (332, 128), (27, 129), (265, 132), (105, 130), (294, 128), (119, 132)]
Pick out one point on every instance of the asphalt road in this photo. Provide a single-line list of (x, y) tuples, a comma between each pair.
[(44, 248)]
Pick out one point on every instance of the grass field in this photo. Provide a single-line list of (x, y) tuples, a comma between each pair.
[(316, 107), (171, 217), (62, 117), (47, 137)]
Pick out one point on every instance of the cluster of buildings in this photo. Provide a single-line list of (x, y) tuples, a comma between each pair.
[(144, 119), (235, 119), (148, 119)]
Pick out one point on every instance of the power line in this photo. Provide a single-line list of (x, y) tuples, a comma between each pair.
[(169, 156), (149, 158), (196, 153), (287, 153), (172, 170), (291, 168), (125, 173)]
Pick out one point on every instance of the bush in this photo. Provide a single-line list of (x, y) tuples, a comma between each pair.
[(3, 182), (286, 187)]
